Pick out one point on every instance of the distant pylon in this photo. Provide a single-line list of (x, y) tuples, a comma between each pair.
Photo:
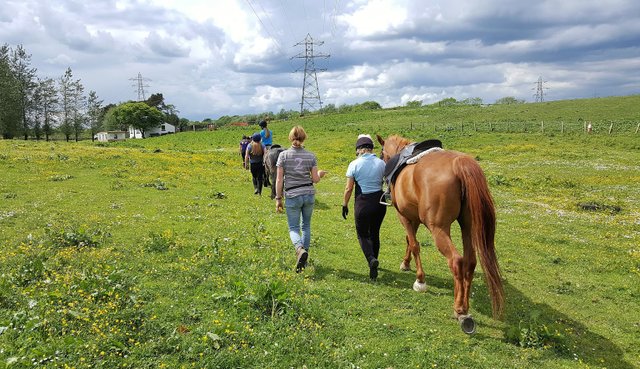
[(140, 85), (310, 91), (539, 95)]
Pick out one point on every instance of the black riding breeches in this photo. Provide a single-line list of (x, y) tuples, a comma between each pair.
[(257, 174), (369, 214)]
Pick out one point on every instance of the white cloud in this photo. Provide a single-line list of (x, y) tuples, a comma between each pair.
[(213, 58)]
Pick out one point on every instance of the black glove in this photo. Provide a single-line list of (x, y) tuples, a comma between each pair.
[(345, 211)]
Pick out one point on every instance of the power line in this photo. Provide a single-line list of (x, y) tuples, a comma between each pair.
[(270, 21), (310, 91), (264, 26)]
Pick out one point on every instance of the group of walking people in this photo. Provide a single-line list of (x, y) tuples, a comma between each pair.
[(297, 172), (253, 150)]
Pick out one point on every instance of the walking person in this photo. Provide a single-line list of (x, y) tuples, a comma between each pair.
[(297, 172), (267, 140), (365, 175), (266, 134), (243, 148), (255, 159)]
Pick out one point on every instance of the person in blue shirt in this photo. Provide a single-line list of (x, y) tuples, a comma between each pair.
[(267, 140), (365, 175), (266, 134)]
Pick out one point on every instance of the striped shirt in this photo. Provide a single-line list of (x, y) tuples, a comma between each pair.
[(297, 163)]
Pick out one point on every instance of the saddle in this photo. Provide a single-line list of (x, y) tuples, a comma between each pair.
[(395, 165)]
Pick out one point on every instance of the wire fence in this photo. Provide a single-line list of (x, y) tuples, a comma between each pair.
[(543, 127)]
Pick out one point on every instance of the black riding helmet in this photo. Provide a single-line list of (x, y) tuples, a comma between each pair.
[(364, 141), (262, 123)]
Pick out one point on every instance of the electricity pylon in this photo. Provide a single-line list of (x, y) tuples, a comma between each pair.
[(310, 91), (140, 85), (539, 95)]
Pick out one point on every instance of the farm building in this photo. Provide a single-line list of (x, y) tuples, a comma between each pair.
[(108, 136), (163, 129)]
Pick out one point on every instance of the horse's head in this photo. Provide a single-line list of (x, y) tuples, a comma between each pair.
[(391, 146)]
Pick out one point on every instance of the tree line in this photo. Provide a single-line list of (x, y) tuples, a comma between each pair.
[(33, 107)]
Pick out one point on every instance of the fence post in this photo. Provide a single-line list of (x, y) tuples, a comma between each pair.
[(638, 127), (490, 127), (542, 125), (475, 128), (462, 127), (610, 128), (562, 126)]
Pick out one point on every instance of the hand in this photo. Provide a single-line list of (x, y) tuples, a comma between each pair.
[(279, 208), (345, 211), (322, 173)]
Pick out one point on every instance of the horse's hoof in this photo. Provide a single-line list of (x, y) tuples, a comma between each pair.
[(467, 324), (419, 287), (405, 267)]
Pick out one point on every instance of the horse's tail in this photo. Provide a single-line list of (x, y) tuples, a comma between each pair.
[(483, 225)]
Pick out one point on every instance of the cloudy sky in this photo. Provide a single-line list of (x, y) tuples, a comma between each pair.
[(226, 57)]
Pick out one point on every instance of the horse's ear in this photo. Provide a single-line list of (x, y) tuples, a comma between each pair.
[(380, 139)]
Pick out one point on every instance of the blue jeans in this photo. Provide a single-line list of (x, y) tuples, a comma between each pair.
[(296, 207)]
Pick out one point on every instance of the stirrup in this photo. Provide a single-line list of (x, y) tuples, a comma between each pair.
[(385, 199)]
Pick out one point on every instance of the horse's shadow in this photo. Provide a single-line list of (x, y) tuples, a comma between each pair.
[(578, 342)]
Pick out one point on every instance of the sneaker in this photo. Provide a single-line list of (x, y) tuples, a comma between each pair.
[(302, 256), (373, 269)]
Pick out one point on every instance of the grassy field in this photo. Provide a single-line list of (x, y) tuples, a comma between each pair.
[(156, 254)]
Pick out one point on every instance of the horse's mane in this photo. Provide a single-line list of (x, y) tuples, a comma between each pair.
[(399, 141)]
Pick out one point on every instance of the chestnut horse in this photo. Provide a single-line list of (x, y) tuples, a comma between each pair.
[(440, 188)]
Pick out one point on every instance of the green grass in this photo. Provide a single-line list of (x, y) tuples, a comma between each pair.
[(155, 253)]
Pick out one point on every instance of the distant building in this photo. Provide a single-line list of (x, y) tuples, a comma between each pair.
[(163, 129), (108, 136)]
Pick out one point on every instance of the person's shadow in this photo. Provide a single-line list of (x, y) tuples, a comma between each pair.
[(577, 342)]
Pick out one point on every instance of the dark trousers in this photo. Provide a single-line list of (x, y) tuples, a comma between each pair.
[(369, 214), (257, 174)]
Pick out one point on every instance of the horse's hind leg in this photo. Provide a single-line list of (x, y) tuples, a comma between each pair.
[(442, 239), (413, 248), (405, 266), (468, 268)]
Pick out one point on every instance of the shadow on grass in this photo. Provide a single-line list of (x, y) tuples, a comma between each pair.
[(578, 342)]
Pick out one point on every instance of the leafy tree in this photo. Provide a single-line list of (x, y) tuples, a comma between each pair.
[(472, 101), (449, 101), (109, 121), (138, 115), (94, 113), (414, 104), (47, 104), (9, 96), (25, 75), (67, 102), (368, 105), (183, 124), (156, 101), (509, 100), (78, 108)]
